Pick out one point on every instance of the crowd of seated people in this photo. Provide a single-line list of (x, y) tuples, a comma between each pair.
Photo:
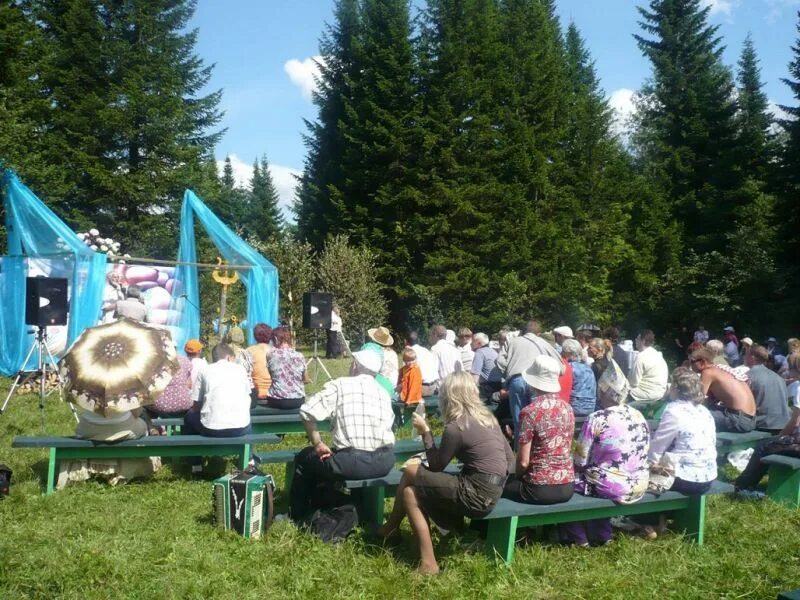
[(545, 381)]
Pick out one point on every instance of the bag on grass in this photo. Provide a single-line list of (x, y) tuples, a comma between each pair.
[(5, 480), (334, 524)]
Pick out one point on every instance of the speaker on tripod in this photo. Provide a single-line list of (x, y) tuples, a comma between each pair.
[(46, 301), (45, 304), (317, 316), (317, 310)]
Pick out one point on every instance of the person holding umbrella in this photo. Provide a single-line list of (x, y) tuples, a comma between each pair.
[(111, 372)]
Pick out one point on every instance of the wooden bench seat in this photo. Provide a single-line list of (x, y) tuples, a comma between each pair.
[(403, 450), (784, 479), (272, 423), (65, 448), (728, 442), (508, 516)]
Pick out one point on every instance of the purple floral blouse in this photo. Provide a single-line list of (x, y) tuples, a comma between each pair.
[(287, 368), (177, 397), (611, 455)]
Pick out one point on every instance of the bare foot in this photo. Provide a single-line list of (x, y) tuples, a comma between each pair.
[(428, 569)]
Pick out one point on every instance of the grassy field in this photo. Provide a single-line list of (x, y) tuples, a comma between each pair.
[(154, 539)]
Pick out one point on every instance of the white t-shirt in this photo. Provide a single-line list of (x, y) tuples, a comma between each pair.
[(448, 357), (199, 365), (793, 389), (336, 321), (391, 367), (466, 357), (428, 364), (649, 376), (224, 389)]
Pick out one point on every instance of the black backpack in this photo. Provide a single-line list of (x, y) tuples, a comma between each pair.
[(333, 525), (5, 480)]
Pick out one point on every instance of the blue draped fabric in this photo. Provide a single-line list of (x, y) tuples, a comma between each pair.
[(34, 231), (260, 280)]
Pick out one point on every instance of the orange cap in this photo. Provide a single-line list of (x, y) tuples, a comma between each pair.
[(193, 346)]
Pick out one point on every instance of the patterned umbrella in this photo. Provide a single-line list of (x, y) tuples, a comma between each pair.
[(118, 366)]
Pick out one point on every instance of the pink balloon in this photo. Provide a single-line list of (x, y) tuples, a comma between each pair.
[(137, 274), (162, 278)]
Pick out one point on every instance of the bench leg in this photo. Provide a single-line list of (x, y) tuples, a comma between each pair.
[(246, 451), (500, 539), (371, 505), (692, 520), (289, 474), (783, 485), (51, 471)]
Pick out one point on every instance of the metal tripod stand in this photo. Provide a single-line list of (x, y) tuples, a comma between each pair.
[(45, 363), (317, 361)]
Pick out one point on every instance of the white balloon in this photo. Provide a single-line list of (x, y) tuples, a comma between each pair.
[(94, 232), (104, 248)]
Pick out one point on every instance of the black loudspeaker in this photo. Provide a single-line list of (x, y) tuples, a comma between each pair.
[(317, 310), (46, 301)]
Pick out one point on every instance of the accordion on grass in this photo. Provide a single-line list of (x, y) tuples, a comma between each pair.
[(243, 503)]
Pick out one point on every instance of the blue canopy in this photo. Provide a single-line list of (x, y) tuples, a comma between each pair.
[(261, 279), (34, 231)]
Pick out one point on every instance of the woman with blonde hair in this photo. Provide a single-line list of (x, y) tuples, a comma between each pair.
[(471, 435)]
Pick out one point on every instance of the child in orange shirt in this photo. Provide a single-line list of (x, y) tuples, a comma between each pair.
[(410, 386)]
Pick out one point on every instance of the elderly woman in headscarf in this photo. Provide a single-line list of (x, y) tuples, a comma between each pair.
[(610, 461)]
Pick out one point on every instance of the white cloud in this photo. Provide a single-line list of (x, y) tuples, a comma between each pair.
[(303, 74), (622, 102), (724, 7), (282, 176), (776, 8)]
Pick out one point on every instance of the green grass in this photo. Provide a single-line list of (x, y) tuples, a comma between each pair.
[(154, 539)]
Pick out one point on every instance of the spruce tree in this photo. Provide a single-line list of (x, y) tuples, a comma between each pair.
[(687, 129), (125, 124), (325, 139), (264, 220), (753, 118), (595, 180), (789, 205)]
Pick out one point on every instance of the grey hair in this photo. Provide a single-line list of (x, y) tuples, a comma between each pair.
[(715, 346), (571, 347), (134, 291), (481, 337), (688, 385)]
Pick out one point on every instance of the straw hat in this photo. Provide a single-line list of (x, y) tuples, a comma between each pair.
[(543, 374), (381, 336)]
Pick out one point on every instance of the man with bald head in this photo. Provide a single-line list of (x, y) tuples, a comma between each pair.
[(728, 393)]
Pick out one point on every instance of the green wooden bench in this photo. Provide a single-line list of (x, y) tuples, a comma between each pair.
[(370, 494), (403, 413), (66, 448), (275, 424), (728, 442), (790, 595), (688, 513), (403, 450), (784, 479)]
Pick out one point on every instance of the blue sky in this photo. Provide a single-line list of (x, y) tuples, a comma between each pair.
[(263, 48)]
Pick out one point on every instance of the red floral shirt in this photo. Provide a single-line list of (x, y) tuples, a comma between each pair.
[(548, 423)]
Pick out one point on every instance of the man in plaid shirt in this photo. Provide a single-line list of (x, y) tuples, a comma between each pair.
[(361, 417)]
